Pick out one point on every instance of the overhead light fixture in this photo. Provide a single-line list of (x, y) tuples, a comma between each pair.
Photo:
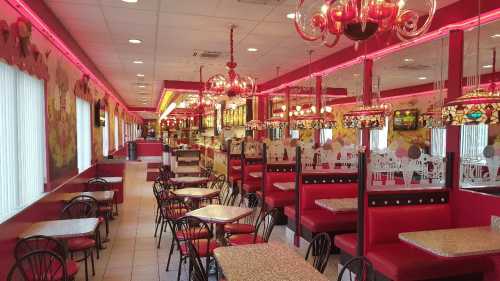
[(290, 16), (253, 50), (130, 1), (422, 78), (134, 41), (283, 107), (142, 86), (140, 75), (409, 60), (488, 66), (138, 62), (495, 36)]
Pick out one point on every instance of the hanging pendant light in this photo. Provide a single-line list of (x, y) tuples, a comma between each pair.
[(233, 84), (477, 106), (326, 21)]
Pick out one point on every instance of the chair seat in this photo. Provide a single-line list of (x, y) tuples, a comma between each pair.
[(239, 228), (178, 213), (80, 244), (72, 268), (402, 262), (290, 211), (319, 220), (201, 247), (195, 233), (250, 187), (347, 243), (105, 208), (101, 219), (245, 239), (278, 199)]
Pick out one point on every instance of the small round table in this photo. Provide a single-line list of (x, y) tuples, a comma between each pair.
[(189, 181)]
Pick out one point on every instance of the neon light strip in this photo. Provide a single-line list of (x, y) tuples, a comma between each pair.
[(443, 31), (38, 23)]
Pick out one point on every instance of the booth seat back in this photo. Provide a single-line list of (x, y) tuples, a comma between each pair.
[(232, 163), (311, 192), (249, 169), (385, 223), (273, 177)]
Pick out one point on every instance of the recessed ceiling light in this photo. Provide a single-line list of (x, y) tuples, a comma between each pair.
[(140, 75), (135, 41), (290, 16), (409, 60), (422, 78), (141, 86), (488, 66), (130, 1), (495, 36), (252, 49), (356, 75), (138, 62)]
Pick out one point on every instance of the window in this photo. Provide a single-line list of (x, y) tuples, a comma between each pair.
[(105, 135), (123, 133), (116, 131), (294, 134), (473, 140), (22, 146), (83, 134), (326, 134), (438, 142), (378, 137)]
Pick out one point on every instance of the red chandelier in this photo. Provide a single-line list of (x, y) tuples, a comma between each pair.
[(233, 84), (358, 20)]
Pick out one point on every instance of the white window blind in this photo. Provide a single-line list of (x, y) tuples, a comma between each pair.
[(378, 137), (438, 142), (22, 146), (326, 134), (116, 132), (83, 134), (473, 139), (105, 135)]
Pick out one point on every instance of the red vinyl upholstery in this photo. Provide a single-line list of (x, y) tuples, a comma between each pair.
[(276, 198), (290, 211), (234, 175), (251, 184), (400, 261), (347, 243)]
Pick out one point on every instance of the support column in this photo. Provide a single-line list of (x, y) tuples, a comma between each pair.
[(455, 74), (317, 132), (287, 112), (367, 97), (261, 115)]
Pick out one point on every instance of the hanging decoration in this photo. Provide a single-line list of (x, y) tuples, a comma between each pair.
[(233, 84), (276, 123), (477, 106), (254, 125), (312, 122), (326, 21)]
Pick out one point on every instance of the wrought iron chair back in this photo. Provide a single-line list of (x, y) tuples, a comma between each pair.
[(39, 243), (39, 265), (319, 249), (357, 269)]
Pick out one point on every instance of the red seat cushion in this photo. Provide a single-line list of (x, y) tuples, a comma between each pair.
[(80, 243), (105, 208), (201, 247), (72, 268), (290, 211), (327, 221), (244, 239), (101, 219), (347, 243), (280, 199), (195, 233), (402, 262), (239, 228), (250, 187), (174, 214), (259, 193)]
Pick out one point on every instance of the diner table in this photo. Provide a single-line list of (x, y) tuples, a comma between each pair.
[(220, 215), (186, 170), (62, 229), (285, 186), (255, 175), (196, 194), (455, 242), (188, 159), (189, 181), (273, 261), (100, 196), (110, 180), (338, 204)]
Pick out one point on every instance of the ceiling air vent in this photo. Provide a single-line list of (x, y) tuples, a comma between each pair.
[(414, 67), (207, 54)]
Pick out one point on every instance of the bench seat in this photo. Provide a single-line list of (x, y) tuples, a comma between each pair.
[(347, 243), (320, 220), (279, 199)]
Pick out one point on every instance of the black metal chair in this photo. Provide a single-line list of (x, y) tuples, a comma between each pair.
[(39, 265), (218, 182), (41, 242), (196, 266), (193, 231), (227, 196), (247, 224), (82, 207), (160, 191), (100, 184), (319, 249), (357, 269), (262, 232), (170, 210)]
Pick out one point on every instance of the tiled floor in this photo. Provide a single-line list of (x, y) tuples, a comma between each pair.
[(132, 255)]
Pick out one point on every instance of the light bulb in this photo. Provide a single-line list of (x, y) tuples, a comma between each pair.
[(298, 108), (283, 107)]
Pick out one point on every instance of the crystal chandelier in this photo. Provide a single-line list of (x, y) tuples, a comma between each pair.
[(233, 84), (325, 21)]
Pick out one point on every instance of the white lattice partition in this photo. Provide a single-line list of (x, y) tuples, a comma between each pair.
[(386, 170), (479, 172)]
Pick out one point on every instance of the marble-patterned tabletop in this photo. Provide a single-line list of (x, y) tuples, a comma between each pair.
[(182, 180), (285, 186), (271, 261), (195, 192), (256, 175), (220, 213), (456, 242), (338, 205), (60, 229), (100, 196), (188, 159), (186, 170)]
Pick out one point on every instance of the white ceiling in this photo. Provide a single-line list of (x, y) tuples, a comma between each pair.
[(172, 29)]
